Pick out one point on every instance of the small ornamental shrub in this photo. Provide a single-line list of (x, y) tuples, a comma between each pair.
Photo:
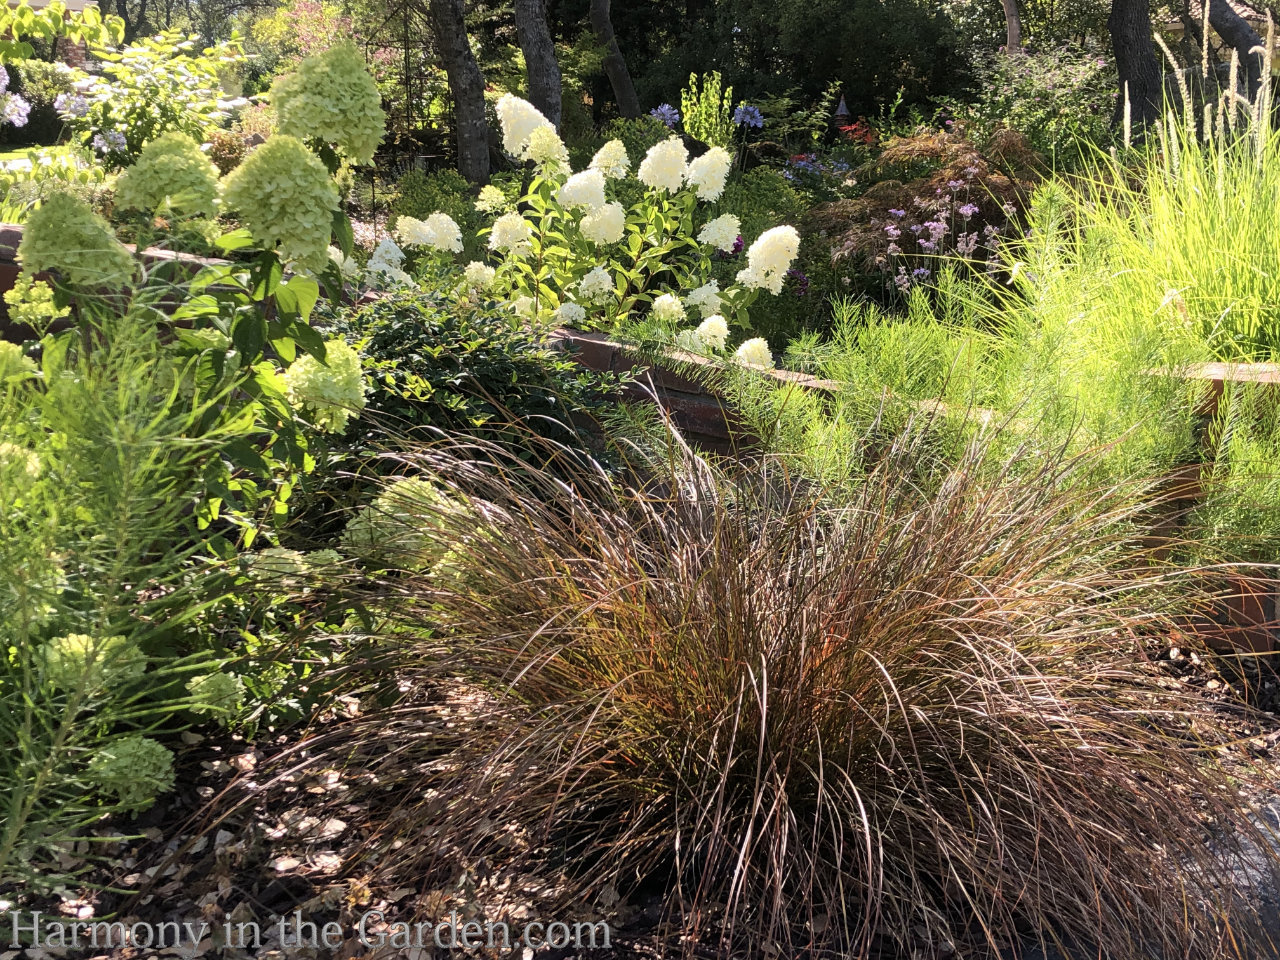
[(332, 98), (166, 82), (467, 365), (65, 236), (285, 197), (172, 173), (1061, 100)]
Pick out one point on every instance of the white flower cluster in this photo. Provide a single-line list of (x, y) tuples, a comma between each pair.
[(663, 167), (612, 160), (511, 233), (439, 232), (596, 285), (349, 267), (388, 262), (705, 299), (478, 276), (571, 314), (519, 119), (769, 259), (755, 353), (709, 172), (668, 308), (585, 189), (709, 337), (721, 233), (605, 225)]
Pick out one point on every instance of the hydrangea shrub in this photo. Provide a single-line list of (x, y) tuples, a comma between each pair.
[(575, 253)]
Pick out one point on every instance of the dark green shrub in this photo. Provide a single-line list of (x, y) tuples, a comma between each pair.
[(475, 369)]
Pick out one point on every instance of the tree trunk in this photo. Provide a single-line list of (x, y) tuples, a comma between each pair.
[(539, 58), (1012, 27), (467, 86), (1235, 30), (615, 65), (1136, 61)]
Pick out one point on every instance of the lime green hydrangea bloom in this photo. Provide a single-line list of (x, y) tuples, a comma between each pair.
[(332, 97), (217, 693), (65, 235), (328, 392), (285, 196), (31, 302), (172, 170), (14, 364), (79, 660), (136, 769), (402, 526), (276, 565)]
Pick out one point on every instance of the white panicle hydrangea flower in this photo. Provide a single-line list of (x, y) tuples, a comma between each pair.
[(663, 166), (571, 314), (690, 342), (510, 232), (755, 353), (709, 172), (706, 299), (769, 258), (523, 307), (612, 160), (491, 199), (668, 308), (387, 261), (519, 118), (596, 285), (713, 331), (547, 150), (721, 233), (439, 232), (349, 266), (585, 189), (478, 276), (605, 225)]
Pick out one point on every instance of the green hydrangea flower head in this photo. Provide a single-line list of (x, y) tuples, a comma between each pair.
[(276, 566), (79, 660), (218, 693), (172, 170), (328, 392), (286, 198), (14, 364), (65, 235), (332, 97), (136, 769), (31, 302), (401, 528)]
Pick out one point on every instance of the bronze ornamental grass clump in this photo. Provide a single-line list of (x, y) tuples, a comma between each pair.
[(910, 719)]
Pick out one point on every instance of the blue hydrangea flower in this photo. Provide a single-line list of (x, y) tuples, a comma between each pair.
[(109, 141), (666, 113), (748, 116), (16, 110), (71, 104)]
